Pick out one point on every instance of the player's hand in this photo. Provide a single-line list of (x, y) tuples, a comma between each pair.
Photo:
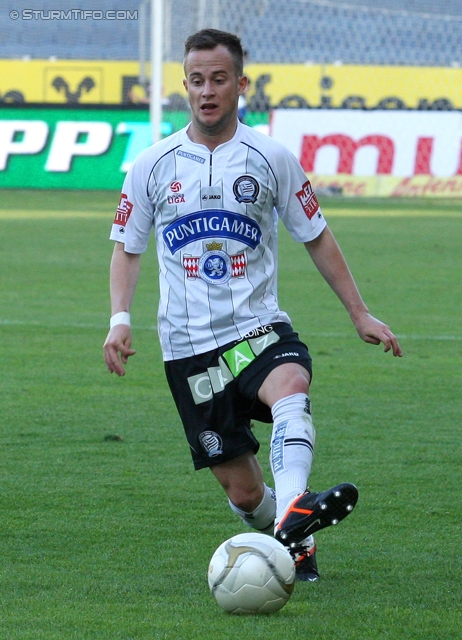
[(374, 331), (117, 348)]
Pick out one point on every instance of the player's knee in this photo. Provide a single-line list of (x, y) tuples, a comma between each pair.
[(299, 384), (295, 383), (246, 498), (286, 380)]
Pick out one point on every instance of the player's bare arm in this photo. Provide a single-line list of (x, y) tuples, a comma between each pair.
[(330, 262), (124, 274)]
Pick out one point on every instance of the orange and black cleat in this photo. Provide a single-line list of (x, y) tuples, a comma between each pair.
[(304, 556), (311, 512)]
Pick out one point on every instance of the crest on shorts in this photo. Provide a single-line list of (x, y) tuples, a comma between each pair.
[(212, 443)]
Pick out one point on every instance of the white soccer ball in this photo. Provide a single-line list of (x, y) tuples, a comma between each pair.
[(251, 573)]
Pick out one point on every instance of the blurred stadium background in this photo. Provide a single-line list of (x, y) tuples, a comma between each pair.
[(367, 94), (417, 32)]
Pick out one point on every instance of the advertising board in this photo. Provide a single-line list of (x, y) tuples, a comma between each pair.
[(349, 152), (61, 148), (375, 153)]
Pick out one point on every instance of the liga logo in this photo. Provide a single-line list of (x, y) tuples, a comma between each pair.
[(178, 198)]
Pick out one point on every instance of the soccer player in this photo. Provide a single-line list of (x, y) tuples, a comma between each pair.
[(213, 193)]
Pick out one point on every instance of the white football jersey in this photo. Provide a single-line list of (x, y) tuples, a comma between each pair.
[(215, 218)]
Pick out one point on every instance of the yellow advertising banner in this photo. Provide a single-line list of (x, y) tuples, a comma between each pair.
[(387, 186), (301, 86)]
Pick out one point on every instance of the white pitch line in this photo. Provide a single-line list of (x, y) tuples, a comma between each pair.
[(153, 327), (42, 214), (72, 325), (400, 336)]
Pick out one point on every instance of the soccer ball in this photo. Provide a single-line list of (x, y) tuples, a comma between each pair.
[(251, 573)]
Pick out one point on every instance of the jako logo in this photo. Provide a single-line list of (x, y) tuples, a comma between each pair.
[(175, 187)]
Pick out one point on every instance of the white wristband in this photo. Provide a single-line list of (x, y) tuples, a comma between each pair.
[(123, 317)]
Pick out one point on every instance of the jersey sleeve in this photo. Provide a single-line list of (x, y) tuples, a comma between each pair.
[(135, 213), (296, 202)]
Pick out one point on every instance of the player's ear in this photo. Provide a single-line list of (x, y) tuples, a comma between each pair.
[(185, 84), (242, 84)]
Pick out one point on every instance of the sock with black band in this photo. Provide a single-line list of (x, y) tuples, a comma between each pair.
[(292, 444)]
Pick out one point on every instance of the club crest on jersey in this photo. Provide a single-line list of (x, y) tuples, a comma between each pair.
[(246, 189), (215, 266)]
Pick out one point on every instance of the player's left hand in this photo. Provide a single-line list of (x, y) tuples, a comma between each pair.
[(374, 331)]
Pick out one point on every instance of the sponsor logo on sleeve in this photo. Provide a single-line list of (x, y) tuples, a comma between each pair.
[(308, 200), (123, 212)]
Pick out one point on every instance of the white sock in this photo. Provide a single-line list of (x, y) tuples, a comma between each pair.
[(292, 445), (262, 519)]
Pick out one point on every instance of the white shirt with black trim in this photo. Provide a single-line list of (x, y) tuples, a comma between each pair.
[(215, 218)]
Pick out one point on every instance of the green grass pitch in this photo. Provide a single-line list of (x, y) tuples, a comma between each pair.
[(106, 531)]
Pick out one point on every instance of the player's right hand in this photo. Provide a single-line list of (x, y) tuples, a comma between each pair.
[(375, 331), (117, 348)]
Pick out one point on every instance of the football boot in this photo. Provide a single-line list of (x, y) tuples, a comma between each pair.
[(304, 556), (310, 512)]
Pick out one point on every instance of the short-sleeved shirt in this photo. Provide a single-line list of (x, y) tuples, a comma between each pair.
[(215, 217)]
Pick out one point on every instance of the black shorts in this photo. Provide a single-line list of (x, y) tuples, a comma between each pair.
[(216, 393)]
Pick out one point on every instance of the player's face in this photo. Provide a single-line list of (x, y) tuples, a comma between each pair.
[(213, 88)]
